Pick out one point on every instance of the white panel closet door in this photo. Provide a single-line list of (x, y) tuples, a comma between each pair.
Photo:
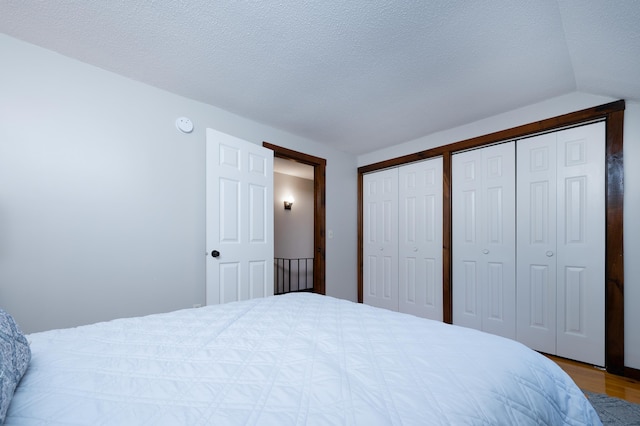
[(483, 234), (536, 264), (380, 240), (561, 243), (420, 239), (581, 243), (466, 179)]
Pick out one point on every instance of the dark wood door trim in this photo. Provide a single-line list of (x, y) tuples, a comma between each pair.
[(613, 114), (319, 209), (614, 253), (360, 225)]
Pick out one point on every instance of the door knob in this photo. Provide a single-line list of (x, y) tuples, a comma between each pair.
[(549, 253), (485, 251), (215, 253)]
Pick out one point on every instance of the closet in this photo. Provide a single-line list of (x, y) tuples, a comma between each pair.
[(402, 238), (528, 241), (561, 304)]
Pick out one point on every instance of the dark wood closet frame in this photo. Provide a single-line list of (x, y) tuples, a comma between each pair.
[(319, 209), (613, 114)]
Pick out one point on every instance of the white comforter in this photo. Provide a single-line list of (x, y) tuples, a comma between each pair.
[(284, 360)]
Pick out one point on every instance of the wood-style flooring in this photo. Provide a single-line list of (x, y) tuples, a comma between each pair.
[(593, 379)]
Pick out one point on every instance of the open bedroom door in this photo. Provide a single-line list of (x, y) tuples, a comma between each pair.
[(239, 221)]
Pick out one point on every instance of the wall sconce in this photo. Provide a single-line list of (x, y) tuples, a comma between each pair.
[(288, 203)]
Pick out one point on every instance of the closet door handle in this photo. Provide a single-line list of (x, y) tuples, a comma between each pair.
[(485, 251), (549, 253)]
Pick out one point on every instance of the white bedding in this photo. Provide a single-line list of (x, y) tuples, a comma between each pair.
[(292, 359)]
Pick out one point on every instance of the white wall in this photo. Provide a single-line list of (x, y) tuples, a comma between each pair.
[(293, 228), (551, 108), (294, 232), (540, 111), (102, 202)]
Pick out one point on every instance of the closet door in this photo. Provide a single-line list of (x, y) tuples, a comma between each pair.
[(581, 243), (420, 239), (483, 234), (537, 252), (380, 240), (561, 243)]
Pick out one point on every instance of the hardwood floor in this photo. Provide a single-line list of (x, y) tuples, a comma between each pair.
[(594, 379)]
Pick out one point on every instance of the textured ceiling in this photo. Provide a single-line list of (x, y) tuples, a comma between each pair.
[(357, 75)]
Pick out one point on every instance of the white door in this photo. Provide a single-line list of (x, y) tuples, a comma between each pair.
[(581, 243), (483, 237), (380, 241), (561, 243), (420, 239), (466, 202), (537, 251), (239, 222)]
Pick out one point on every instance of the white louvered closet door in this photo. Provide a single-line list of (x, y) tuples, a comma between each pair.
[(561, 242), (420, 239), (483, 239), (380, 240)]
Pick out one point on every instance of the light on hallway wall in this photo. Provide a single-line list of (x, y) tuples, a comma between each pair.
[(288, 202)]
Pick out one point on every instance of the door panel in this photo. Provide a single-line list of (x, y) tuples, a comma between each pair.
[(229, 282), (539, 315), (239, 219), (380, 271), (229, 210), (498, 240), (470, 292), (483, 200), (466, 207), (495, 299), (470, 208), (536, 247), (581, 243), (257, 220), (258, 273), (574, 306), (420, 239)]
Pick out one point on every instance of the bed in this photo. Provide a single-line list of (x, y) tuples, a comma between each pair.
[(295, 359)]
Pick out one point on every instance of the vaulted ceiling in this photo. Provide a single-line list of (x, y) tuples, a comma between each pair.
[(358, 75)]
